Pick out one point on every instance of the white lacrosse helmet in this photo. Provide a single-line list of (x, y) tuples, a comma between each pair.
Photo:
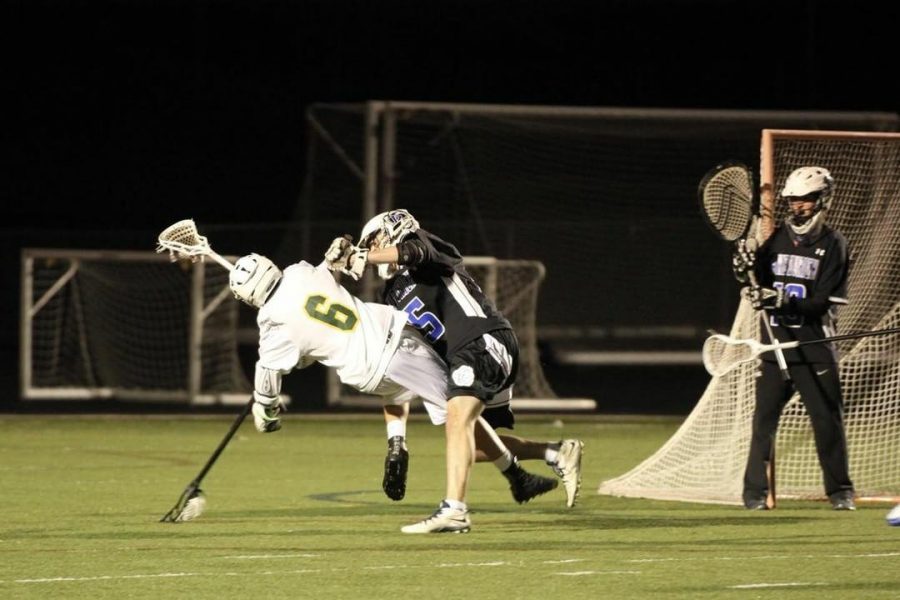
[(385, 230), (253, 279), (816, 182), (810, 180)]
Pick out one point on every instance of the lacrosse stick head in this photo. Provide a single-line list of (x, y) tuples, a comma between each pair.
[(727, 199), (722, 353), (193, 509), (190, 505), (183, 241)]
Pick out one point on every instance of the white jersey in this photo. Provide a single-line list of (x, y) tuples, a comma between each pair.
[(310, 317)]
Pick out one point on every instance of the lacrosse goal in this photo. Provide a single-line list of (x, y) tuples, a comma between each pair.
[(704, 461), (127, 325)]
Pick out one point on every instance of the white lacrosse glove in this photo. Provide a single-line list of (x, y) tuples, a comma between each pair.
[(764, 298), (266, 413), (356, 263), (338, 252), (343, 256), (743, 260)]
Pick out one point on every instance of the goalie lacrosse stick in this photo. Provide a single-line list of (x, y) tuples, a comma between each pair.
[(191, 503), (727, 201), (183, 241), (722, 353)]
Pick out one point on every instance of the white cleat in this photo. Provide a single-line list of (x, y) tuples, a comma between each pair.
[(893, 517), (444, 520), (568, 468)]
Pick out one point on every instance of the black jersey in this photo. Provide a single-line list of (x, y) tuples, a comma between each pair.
[(812, 271), (439, 297)]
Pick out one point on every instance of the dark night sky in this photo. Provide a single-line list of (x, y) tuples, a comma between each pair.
[(119, 109), (120, 114)]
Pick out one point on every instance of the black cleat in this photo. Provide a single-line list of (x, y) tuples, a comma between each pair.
[(525, 486), (756, 500), (842, 501), (396, 464)]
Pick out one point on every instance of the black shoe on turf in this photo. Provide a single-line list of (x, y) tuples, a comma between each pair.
[(842, 501), (396, 464), (525, 486), (756, 504)]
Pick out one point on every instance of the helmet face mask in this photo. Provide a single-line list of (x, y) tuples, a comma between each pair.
[(807, 185), (385, 230), (253, 279)]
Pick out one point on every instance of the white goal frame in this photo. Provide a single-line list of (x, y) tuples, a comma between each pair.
[(198, 313)]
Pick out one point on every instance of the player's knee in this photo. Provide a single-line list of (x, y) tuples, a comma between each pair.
[(463, 409)]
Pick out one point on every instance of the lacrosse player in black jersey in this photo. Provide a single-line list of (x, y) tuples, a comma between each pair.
[(801, 272), (425, 277)]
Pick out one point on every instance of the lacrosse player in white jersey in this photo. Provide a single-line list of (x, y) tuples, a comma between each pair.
[(305, 316)]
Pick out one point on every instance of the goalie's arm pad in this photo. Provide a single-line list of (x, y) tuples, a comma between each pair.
[(266, 386)]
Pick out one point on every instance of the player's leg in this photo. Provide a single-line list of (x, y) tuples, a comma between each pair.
[(771, 395), (452, 515), (415, 371), (462, 414), (820, 391), (490, 448), (396, 463), (564, 457)]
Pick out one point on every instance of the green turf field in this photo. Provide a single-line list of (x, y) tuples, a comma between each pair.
[(300, 514)]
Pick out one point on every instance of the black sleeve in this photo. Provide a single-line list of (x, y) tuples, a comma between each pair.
[(411, 251), (424, 249), (763, 266)]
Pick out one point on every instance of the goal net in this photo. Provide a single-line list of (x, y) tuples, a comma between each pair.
[(603, 198), (704, 461), (127, 325)]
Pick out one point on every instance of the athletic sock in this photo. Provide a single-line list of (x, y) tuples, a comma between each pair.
[(455, 504), (551, 454), (504, 461), (396, 428)]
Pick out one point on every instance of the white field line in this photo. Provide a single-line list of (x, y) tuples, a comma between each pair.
[(757, 586), (445, 565), (559, 562), (245, 574), (764, 557), (267, 556), (580, 573)]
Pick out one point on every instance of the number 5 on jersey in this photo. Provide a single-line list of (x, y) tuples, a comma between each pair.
[(426, 322)]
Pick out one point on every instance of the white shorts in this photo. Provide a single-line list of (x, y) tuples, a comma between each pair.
[(416, 371)]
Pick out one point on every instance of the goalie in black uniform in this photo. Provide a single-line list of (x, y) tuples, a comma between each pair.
[(425, 277), (801, 272)]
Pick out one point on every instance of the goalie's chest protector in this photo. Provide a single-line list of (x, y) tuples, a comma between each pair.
[(445, 304), (813, 270)]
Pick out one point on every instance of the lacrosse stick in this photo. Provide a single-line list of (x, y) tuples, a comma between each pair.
[(727, 200), (722, 353), (191, 503), (183, 241)]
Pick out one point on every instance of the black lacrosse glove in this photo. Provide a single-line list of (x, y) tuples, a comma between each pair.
[(762, 298), (742, 261)]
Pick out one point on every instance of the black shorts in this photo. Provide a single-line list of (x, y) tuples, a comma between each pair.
[(486, 368)]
